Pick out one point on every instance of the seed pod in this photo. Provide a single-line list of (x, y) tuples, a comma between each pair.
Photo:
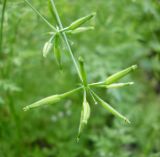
[(80, 21), (85, 114), (57, 52), (115, 77), (116, 85), (82, 70), (51, 99), (47, 47), (110, 108), (80, 30), (47, 100)]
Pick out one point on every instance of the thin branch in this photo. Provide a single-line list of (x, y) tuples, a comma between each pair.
[(42, 17), (65, 38)]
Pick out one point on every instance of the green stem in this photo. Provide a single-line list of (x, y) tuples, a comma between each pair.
[(109, 108), (65, 38), (71, 92), (92, 96), (43, 18), (95, 84), (2, 21)]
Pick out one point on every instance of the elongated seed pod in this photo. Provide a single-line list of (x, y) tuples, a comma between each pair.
[(57, 51), (47, 47), (79, 30), (82, 70), (47, 100), (85, 114), (116, 85), (110, 108), (80, 21), (115, 77), (51, 99)]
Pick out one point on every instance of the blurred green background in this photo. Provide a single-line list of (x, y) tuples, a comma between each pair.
[(126, 32)]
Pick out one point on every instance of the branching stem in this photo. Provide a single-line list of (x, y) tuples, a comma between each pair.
[(42, 17), (65, 38)]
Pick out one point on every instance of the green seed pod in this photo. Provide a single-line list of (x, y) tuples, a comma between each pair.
[(51, 99), (116, 85), (110, 108), (47, 100), (85, 114), (115, 77), (47, 47), (82, 71), (80, 30), (80, 21), (57, 51)]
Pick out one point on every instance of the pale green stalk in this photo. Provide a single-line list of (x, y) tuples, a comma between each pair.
[(70, 92), (109, 108), (65, 38), (43, 18)]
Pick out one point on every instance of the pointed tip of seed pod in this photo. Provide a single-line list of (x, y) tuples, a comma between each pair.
[(92, 28), (96, 103), (77, 140), (94, 14), (26, 108), (127, 121), (130, 83), (80, 59), (44, 55), (134, 67), (60, 67)]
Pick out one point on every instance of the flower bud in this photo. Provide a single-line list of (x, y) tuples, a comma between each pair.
[(115, 77)]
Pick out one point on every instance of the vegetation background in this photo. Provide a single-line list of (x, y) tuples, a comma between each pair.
[(126, 32)]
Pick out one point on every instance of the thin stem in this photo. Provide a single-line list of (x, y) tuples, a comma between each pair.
[(95, 84), (65, 38), (71, 92), (95, 102), (2, 21), (108, 107), (43, 18)]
